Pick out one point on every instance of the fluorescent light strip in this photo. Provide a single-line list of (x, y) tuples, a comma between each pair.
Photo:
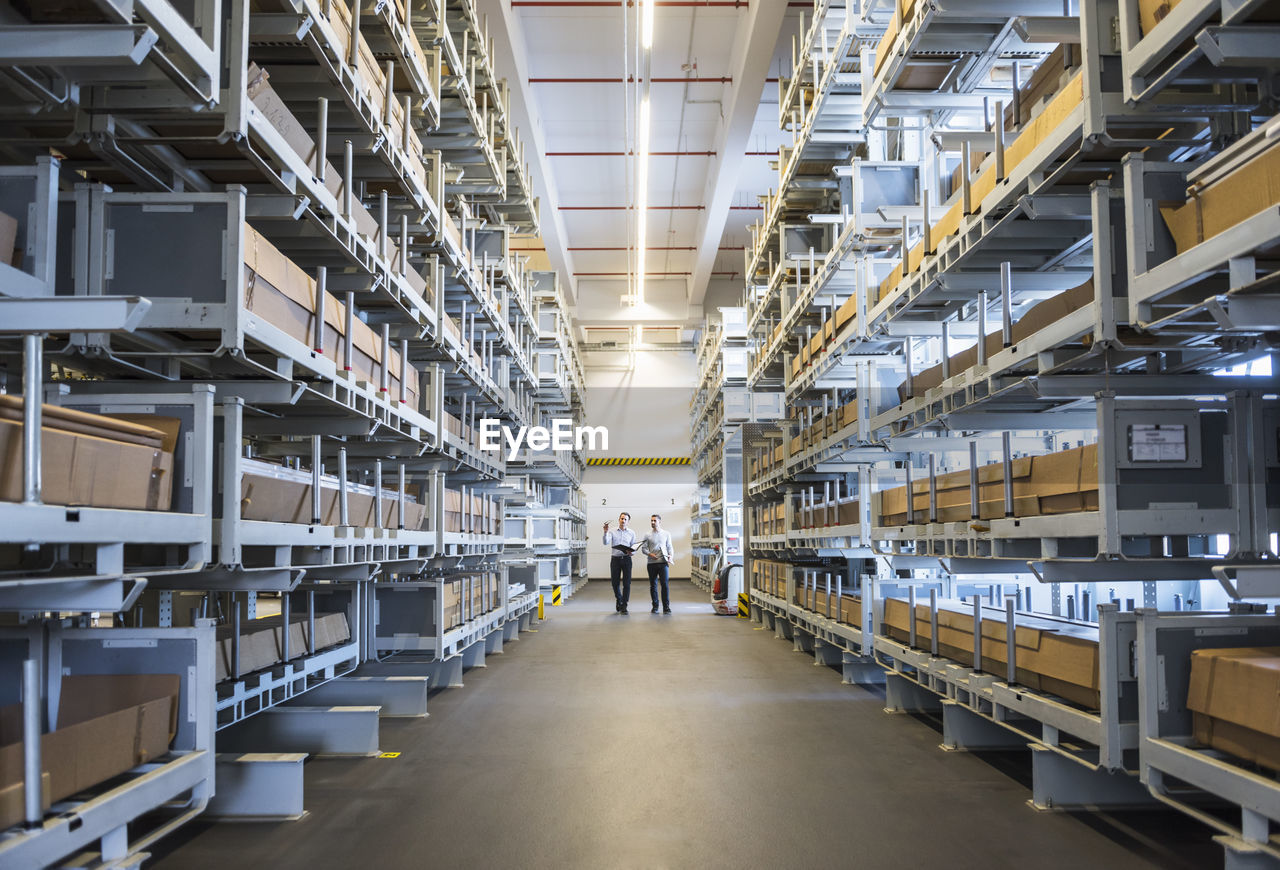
[(642, 197), (646, 25)]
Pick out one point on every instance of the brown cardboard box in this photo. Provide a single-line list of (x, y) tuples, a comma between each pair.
[(1152, 12), (106, 725), (81, 469), (1251, 188), (258, 649), (1051, 657), (280, 292), (1234, 695), (1038, 317), (9, 240), (13, 807)]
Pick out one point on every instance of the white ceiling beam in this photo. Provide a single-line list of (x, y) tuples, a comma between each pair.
[(758, 31), (509, 46)]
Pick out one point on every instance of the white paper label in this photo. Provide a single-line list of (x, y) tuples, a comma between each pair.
[(1156, 443)]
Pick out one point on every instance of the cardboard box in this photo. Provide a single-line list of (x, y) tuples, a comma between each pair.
[(1234, 696), (107, 724), (13, 808), (87, 459), (9, 240), (283, 294), (1251, 188), (1152, 12), (1063, 482), (1038, 317), (1051, 656)]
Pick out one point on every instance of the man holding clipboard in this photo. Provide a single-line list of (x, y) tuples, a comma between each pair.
[(623, 544), (658, 545)]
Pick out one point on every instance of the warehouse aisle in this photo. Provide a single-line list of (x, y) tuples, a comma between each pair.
[(688, 740)]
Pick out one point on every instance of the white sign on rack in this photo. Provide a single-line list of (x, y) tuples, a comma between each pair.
[(1151, 442)]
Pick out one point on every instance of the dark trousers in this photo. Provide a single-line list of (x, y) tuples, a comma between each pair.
[(659, 572), (620, 577)]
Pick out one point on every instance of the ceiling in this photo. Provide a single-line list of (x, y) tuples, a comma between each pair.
[(712, 63)]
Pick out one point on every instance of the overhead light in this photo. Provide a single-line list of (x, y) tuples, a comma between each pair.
[(646, 22), (642, 198)]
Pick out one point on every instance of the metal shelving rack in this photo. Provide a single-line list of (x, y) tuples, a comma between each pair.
[(545, 520), (285, 228), (1006, 175)]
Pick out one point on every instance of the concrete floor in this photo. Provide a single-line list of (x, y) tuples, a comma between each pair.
[(688, 740)]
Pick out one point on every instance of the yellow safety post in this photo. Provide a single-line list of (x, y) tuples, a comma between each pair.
[(540, 616)]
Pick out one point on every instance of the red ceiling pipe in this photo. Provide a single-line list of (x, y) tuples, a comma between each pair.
[(629, 153), (631, 208), (591, 80)]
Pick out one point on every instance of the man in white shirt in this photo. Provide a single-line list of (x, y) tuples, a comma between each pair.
[(657, 543), (622, 542)]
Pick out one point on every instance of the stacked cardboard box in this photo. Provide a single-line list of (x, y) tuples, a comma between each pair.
[(476, 513), (1249, 189), (1234, 696), (1056, 483), (770, 577), (107, 724), (1059, 109), (1051, 656), (1041, 315), (273, 493), (92, 460), (284, 295), (261, 643)]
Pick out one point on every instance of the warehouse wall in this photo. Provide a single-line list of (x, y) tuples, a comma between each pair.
[(647, 412)]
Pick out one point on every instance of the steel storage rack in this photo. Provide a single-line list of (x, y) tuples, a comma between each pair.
[(262, 297), (545, 522), (1021, 344)]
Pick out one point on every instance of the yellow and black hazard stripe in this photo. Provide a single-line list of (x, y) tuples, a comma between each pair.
[(744, 605), (640, 460), (557, 596)]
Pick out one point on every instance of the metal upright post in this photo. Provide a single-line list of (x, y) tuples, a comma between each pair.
[(384, 227), (32, 712), (1006, 303), (235, 636), (906, 359), (311, 621), (977, 633), (353, 50), (32, 413), (377, 493), (982, 328), (1007, 457), (946, 350), (384, 370), (999, 141), (933, 488), (348, 340), (933, 621), (286, 614), (400, 506), (344, 518), (974, 484), (911, 493), (404, 369), (348, 175), (322, 139), (315, 480), (322, 280), (1010, 639), (911, 616)]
